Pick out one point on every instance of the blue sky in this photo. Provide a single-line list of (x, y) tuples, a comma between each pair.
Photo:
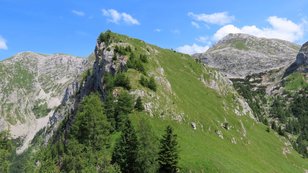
[(72, 26)]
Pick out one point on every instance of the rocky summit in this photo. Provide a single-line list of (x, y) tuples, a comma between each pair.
[(240, 55)]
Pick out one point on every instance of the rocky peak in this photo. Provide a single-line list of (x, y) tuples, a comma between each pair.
[(240, 55), (302, 56)]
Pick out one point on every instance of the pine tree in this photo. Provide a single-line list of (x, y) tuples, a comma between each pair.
[(168, 154), (139, 105), (148, 148), (125, 153)]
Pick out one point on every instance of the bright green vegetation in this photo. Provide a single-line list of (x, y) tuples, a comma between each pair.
[(255, 150), (6, 151), (180, 98), (295, 81), (40, 109), (239, 44), (149, 83)]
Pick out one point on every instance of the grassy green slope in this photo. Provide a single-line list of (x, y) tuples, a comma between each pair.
[(202, 150)]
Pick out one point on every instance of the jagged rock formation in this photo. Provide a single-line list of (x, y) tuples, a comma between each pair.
[(103, 62), (301, 62), (240, 55), (32, 87)]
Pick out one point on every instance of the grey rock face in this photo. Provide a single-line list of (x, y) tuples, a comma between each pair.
[(301, 62), (240, 55)]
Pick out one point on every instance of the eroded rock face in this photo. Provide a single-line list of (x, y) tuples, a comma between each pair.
[(301, 62), (240, 55), (32, 86), (302, 58)]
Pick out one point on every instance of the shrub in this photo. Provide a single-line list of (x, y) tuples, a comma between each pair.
[(148, 83)]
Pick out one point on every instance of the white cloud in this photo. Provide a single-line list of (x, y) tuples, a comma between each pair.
[(192, 49), (117, 17), (157, 30), (195, 24), (215, 18), (280, 28), (78, 13), (3, 45)]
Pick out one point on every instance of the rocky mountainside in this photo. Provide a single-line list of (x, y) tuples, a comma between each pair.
[(32, 87), (208, 115), (216, 129), (240, 55)]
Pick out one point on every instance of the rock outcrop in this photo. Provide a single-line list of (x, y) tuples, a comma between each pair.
[(301, 62)]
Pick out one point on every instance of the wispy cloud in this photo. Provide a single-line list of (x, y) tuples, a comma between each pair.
[(3, 45), (157, 30), (192, 49), (221, 18), (78, 13), (280, 28), (195, 24), (117, 17)]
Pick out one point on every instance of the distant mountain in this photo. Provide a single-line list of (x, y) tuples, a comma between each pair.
[(240, 55), (272, 76), (32, 86)]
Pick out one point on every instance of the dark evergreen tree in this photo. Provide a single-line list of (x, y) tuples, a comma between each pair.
[(125, 153), (139, 105), (122, 80), (148, 148), (168, 154), (274, 125)]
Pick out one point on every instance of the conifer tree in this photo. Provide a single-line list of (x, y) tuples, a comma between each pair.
[(148, 148), (125, 153), (168, 154), (139, 105)]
